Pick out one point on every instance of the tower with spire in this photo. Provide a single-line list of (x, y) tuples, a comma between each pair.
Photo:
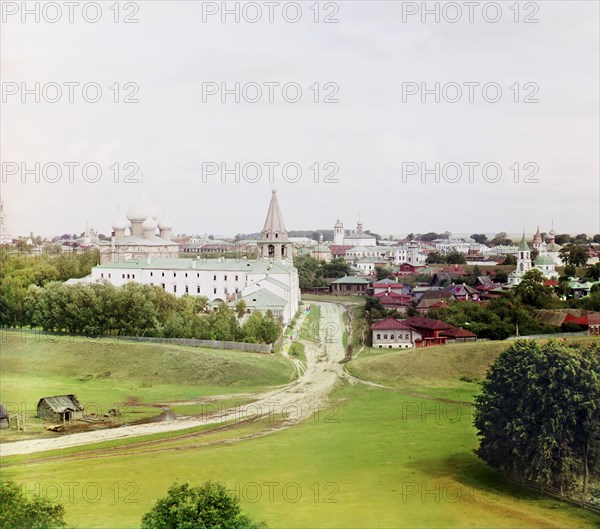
[(523, 262), (274, 243), (538, 242), (338, 233)]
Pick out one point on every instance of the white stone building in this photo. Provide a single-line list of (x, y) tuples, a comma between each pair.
[(268, 283), (136, 237), (410, 252), (357, 237), (5, 235)]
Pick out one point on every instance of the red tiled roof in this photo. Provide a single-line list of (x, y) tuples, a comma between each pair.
[(391, 298), (550, 283), (390, 324), (458, 332), (388, 285), (427, 323), (586, 319)]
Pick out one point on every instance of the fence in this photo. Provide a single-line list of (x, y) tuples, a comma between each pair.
[(555, 335), (192, 342), (554, 492)]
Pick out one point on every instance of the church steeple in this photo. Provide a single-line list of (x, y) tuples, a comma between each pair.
[(274, 242), (524, 256)]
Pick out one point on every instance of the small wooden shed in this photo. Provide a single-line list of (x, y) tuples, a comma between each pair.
[(60, 408), (4, 417)]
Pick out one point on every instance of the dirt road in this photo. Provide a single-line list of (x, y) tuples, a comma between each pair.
[(297, 400)]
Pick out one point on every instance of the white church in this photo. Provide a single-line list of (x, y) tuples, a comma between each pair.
[(267, 283), (544, 263), (356, 238)]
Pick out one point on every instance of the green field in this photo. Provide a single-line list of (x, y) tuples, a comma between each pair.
[(375, 459), (452, 371), (129, 376), (398, 457)]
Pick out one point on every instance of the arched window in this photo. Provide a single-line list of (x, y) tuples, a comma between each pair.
[(271, 250)]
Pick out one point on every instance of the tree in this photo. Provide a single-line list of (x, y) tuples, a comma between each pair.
[(500, 276), (593, 272), (531, 290), (310, 272), (563, 238), (383, 272), (454, 257), (480, 238), (510, 260), (582, 238), (430, 236), (336, 268), (596, 238), (570, 271), (240, 308), (501, 239), (19, 512), (435, 257), (205, 507), (574, 254), (538, 414)]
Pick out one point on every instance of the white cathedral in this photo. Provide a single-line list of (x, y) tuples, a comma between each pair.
[(267, 283), (355, 238)]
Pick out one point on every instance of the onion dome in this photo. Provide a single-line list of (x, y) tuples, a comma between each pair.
[(149, 224), (120, 223), (154, 213), (139, 211), (165, 224)]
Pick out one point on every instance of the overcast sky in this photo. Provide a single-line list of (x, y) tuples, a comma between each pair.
[(368, 55)]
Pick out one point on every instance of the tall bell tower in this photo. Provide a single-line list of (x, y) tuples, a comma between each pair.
[(274, 243), (338, 233)]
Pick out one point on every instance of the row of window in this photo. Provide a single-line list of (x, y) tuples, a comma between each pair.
[(132, 276), (187, 288), (392, 336)]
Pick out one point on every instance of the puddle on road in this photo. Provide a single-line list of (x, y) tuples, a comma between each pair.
[(167, 415)]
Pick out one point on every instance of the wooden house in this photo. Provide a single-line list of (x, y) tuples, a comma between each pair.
[(4, 417), (60, 408)]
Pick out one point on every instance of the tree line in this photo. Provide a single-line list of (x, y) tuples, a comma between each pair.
[(101, 309), (32, 295)]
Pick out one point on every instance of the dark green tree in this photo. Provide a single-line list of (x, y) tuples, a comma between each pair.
[(209, 506), (480, 238), (336, 268), (454, 257), (538, 414), (435, 258), (20, 512), (531, 290), (593, 272), (574, 254)]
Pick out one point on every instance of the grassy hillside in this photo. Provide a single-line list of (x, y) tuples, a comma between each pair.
[(451, 371), (377, 459), (106, 373)]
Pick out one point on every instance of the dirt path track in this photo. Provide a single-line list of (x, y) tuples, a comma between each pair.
[(298, 400)]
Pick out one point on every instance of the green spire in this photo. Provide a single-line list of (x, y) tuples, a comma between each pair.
[(524, 247)]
